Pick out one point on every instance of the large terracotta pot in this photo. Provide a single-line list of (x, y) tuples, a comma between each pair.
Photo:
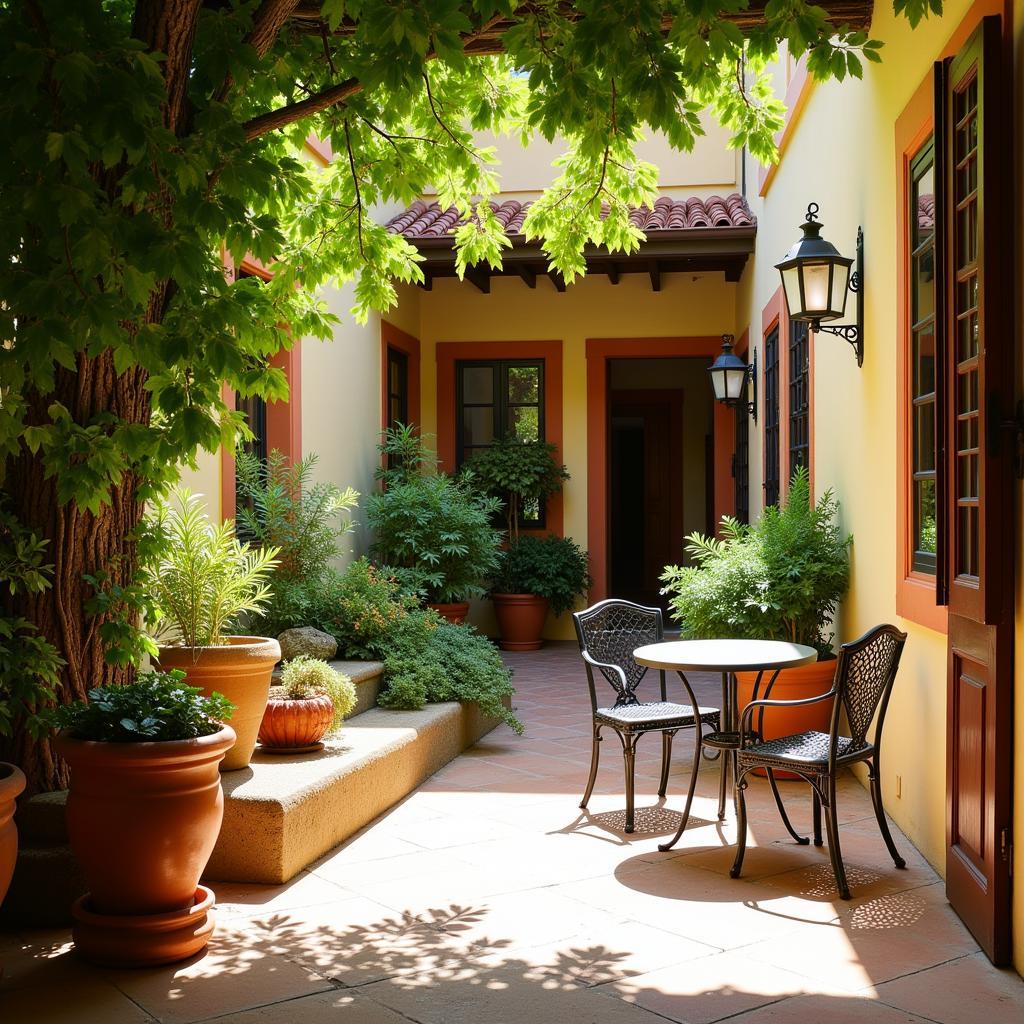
[(241, 670), (521, 619), (12, 783), (792, 684), (455, 612), (295, 726), (143, 819)]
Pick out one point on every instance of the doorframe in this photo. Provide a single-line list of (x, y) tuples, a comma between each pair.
[(599, 351)]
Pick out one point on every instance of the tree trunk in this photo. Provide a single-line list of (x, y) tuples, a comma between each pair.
[(80, 544)]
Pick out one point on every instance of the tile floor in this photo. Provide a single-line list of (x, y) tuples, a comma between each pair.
[(488, 896)]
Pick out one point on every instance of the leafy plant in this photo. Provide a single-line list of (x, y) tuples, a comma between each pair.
[(304, 676), (431, 660), (780, 579), (303, 521), (156, 706), (518, 472), (552, 567), (435, 532), (203, 579)]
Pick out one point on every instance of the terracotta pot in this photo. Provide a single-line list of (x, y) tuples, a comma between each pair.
[(792, 684), (12, 783), (295, 726), (143, 819), (520, 619), (455, 612), (241, 670)]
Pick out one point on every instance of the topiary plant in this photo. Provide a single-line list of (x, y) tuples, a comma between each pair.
[(304, 676), (552, 567)]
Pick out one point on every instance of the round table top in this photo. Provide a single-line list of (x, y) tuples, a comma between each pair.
[(724, 655)]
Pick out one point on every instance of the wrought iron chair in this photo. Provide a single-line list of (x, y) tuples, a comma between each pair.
[(608, 633), (865, 673)]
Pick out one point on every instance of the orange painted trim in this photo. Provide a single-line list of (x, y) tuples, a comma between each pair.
[(449, 352), (599, 351), (320, 149), (915, 591), (797, 93), (393, 337)]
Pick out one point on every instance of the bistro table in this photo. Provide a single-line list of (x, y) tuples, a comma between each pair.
[(728, 657)]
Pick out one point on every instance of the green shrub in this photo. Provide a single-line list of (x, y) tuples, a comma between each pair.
[(780, 579), (303, 521), (200, 577), (432, 660), (551, 567), (304, 676), (156, 706), (519, 473)]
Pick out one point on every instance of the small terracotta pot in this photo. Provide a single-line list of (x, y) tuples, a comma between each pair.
[(455, 612), (792, 684), (295, 726), (241, 670), (143, 819), (521, 620), (12, 784)]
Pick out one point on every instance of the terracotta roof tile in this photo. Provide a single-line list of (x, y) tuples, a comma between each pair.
[(427, 220)]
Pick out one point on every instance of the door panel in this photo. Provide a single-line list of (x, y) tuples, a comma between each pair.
[(976, 356)]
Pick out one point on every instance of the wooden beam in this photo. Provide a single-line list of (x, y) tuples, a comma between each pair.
[(613, 273), (481, 277), (427, 284), (528, 275), (734, 270), (655, 271), (557, 280)]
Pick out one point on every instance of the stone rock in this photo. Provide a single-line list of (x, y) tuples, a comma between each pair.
[(307, 640)]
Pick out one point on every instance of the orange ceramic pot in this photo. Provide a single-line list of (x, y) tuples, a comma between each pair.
[(521, 619), (455, 612), (295, 726), (241, 670), (12, 783), (792, 684), (143, 819)]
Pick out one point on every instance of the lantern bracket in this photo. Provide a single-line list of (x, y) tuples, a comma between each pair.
[(852, 333), (752, 377)]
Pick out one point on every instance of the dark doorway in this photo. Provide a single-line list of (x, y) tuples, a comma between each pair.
[(645, 498)]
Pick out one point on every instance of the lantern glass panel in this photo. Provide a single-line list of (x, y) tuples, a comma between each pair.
[(718, 383), (791, 286), (817, 277), (840, 283), (734, 379)]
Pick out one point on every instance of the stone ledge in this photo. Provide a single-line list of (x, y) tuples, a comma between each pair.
[(283, 813)]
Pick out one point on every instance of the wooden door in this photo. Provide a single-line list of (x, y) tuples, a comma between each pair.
[(646, 490), (976, 352)]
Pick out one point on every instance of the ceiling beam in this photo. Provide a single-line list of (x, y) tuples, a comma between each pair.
[(655, 271), (481, 277), (427, 284), (557, 280), (613, 273), (528, 275)]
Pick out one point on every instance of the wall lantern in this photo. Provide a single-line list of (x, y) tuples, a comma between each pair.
[(729, 376), (816, 280)]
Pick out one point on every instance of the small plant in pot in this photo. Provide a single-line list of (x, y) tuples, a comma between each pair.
[(143, 815), (201, 581), (779, 579), (311, 702), (537, 574), (434, 532)]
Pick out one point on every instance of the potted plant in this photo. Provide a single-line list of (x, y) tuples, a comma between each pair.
[(143, 814), (536, 574), (12, 784), (780, 579), (434, 532), (201, 580), (312, 700)]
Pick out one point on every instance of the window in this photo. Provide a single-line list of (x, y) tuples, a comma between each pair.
[(398, 387), (741, 460), (771, 416), (921, 378), (497, 399), (799, 397)]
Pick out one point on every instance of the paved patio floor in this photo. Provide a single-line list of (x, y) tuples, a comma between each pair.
[(487, 896)]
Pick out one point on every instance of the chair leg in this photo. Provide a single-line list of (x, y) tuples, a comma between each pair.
[(835, 852), (883, 825), (629, 759), (801, 840), (595, 756), (816, 813), (723, 782), (665, 847), (666, 761), (741, 826)]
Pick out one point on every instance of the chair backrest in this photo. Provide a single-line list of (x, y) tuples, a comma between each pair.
[(609, 632), (864, 677)]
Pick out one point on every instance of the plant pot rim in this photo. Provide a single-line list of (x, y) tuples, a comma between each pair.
[(12, 780), (231, 643), (280, 698), (522, 596), (146, 750)]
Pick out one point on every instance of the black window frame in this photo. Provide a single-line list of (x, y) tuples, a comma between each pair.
[(771, 470), (741, 459), (799, 413), (396, 357)]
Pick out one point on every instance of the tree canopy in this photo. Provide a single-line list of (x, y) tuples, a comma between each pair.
[(150, 141)]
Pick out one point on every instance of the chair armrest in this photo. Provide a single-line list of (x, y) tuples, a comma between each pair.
[(594, 663), (748, 711)]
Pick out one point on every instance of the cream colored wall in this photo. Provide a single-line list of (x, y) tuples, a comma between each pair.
[(847, 165)]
